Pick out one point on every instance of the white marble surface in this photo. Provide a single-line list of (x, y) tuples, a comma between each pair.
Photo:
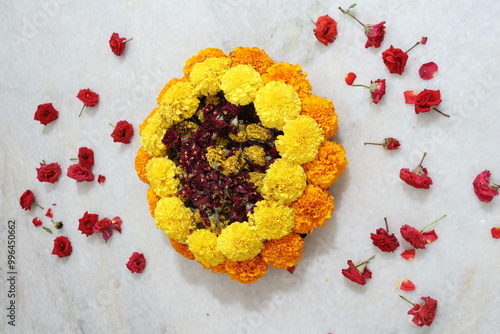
[(51, 49)]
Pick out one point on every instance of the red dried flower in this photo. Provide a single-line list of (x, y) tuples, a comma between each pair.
[(37, 221), (383, 240), (389, 144), (62, 247), (88, 97), (408, 254), (407, 285), (416, 178), (123, 132), (104, 226), (101, 179), (48, 172), (87, 222), (374, 32), (358, 273), (326, 29), (27, 199), (484, 189), (377, 89), (136, 263), (350, 77), (80, 173), (428, 70), (495, 232), (46, 113), (395, 60), (413, 236), (86, 157), (117, 43), (423, 314)]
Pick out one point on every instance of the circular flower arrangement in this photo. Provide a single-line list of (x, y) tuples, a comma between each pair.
[(239, 163)]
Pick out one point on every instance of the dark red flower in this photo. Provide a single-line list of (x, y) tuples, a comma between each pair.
[(62, 247), (123, 132), (87, 222), (291, 269), (413, 236), (375, 34), (136, 263), (416, 178), (423, 314), (484, 189), (46, 113), (377, 89), (395, 60), (104, 226), (80, 173), (48, 172), (86, 157), (117, 43), (27, 199), (326, 29), (117, 224), (88, 97), (390, 144), (384, 241), (428, 70), (358, 273), (427, 99), (37, 221), (349, 78)]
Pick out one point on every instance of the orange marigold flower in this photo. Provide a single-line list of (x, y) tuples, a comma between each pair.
[(167, 86), (322, 111), (289, 74), (152, 200), (312, 209), (202, 56), (145, 122), (220, 268), (285, 252), (247, 271), (141, 160), (255, 57), (181, 249), (328, 165)]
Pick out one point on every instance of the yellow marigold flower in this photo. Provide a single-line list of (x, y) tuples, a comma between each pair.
[(181, 248), (233, 164), (179, 102), (247, 271), (312, 209), (276, 104), (300, 140), (203, 244), (323, 112), (255, 57), (271, 220), (257, 179), (255, 154), (289, 74), (153, 133), (215, 156), (145, 122), (328, 165), (239, 242), (161, 175), (220, 268), (202, 56), (167, 87), (211, 99), (174, 218), (152, 200), (284, 182), (240, 84), (205, 76), (141, 161), (257, 132), (285, 252)]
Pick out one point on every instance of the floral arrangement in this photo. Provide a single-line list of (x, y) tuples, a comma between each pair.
[(239, 163)]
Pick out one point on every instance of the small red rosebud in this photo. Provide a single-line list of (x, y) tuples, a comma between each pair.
[(484, 189), (389, 144), (416, 178), (326, 29), (377, 89), (88, 97), (358, 273), (117, 43)]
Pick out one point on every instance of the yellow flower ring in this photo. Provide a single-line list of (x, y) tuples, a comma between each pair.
[(239, 163)]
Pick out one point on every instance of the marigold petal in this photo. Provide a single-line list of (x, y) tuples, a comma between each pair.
[(174, 218), (239, 242), (271, 220), (329, 164), (203, 245), (240, 84), (312, 209)]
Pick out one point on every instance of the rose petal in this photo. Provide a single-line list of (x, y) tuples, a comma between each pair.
[(291, 269), (428, 70), (101, 179), (423, 40), (430, 236), (410, 96), (495, 232), (49, 213), (408, 254), (349, 78), (37, 221), (407, 285)]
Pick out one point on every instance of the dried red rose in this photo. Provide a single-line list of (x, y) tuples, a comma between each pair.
[(495, 232), (413, 236), (326, 29), (428, 70), (407, 285), (48, 172), (27, 199), (395, 60), (417, 177), (377, 89), (123, 132), (136, 263), (37, 221), (484, 189), (62, 247), (117, 43), (423, 314), (46, 113), (389, 144), (80, 173), (408, 254), (383, 240), (87, 222), (358, 273), (86, 157), (374, 32), (104, 226), (88, 97), (350, 77)]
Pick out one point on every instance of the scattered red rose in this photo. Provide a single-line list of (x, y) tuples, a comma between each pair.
[(326, 29), (419, 239), (117, 43), (484, 189), (37, 222), (374, 32), (80, 173), (408, 254), (48, 172), (88, 97), (383, 240), (123, 132), (407, 285), (87, 222), (46, 113), (389, 144), (350, 77), (136, 263), (86, 157), (358, 273), (377, 89), (62, 247), (104, 226), (423, 314), (424, 101), (27, 199), (395, 60), (495, 232), (428, 70), (417, 177)]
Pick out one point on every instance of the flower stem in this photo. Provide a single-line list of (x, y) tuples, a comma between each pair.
[(407, 300), (361, 86), (442, 113), (386, 225), (373, 144), (434, 222), (421, 161), (412, 47), (81, 111), (35, 202), (354, 17), (128, 40), (366, 261), (111, 125)]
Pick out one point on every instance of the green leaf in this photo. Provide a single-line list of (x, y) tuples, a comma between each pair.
[(47, 229), (352, 6)]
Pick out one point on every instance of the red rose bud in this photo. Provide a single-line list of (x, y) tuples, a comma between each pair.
[(136, 263), (413, 236), (26, 200), (423, 314), (495, 232), (86, 157), (80, 173), (101, 179), (46, 113), (389, 144), (37, 222), (87, 222), (383, 240), (484, 189), (62, 247), (428, 70), (395, 60), (416, 178), (117, 43), (407, 285), (377, 89), (349, 78), (48, 172), (326, 29), (374, 32), (123, 132), (358, 273), (408, 254), (88, 97)]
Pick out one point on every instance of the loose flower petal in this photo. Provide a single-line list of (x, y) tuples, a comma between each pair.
[(495, 232), (101, 179), (408, 254), (428, 70), (291, 269), (349, 78), (49, 213), (430, 236), (410, 96), (407, 285), (423, 40), (37, 221)]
